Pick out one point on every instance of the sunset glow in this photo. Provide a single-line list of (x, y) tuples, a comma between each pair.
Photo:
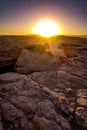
[(47, 29), (46, 18)]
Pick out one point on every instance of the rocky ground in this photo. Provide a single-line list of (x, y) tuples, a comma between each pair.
[(39, 91)]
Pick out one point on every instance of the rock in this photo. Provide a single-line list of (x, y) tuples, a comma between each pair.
[(15, 116), (81, 116), (82, 102), (34, 61), (24, 123), (12, 46), (71, 53), (44, 124), (59, 79), (25, 103), (82, 98), (46, 109), (59, 100), (50, 99), (10, 49), (22, 85), (19, 106), (0, 115), (63, 122), (10, 112), (71, 107), (82, 93), (1, 126)]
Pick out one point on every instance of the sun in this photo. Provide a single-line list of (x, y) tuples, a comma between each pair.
[(47, 29)]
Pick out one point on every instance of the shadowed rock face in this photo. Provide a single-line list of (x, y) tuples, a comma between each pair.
[(9, 51), (43, 93)]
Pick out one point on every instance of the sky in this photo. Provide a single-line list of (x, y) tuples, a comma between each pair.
[(21, 16)]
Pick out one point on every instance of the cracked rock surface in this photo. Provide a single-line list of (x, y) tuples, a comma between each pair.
[(24, 101)]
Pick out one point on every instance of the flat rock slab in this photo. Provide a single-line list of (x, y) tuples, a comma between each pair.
[(30, 61)]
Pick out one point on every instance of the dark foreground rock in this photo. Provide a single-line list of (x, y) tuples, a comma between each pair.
[(25, 105), (28, 105)]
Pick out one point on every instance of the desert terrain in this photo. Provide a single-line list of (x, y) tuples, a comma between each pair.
[(43, 83)]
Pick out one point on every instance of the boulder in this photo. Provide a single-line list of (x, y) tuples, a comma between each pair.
[(30, 61)]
